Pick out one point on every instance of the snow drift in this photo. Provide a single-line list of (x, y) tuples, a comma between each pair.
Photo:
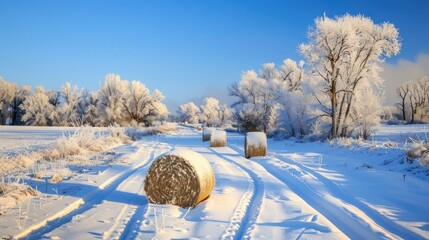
[(218, 139), (180, 177), (255, 144)]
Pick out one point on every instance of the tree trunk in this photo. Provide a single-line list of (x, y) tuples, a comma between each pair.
[(334, 109)]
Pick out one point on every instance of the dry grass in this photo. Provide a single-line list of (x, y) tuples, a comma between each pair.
[(12, 193), (255, 151), (418, 151), (84, 141)]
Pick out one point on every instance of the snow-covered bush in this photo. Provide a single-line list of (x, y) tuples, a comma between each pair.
[(13, 193), (138, 133), (419, 150)]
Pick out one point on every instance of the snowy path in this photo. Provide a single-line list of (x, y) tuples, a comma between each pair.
[(282, 196)]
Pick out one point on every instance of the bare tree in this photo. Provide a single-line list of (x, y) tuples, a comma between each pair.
[(403, 92)]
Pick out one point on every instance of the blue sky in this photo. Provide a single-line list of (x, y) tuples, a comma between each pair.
[(187, 49)]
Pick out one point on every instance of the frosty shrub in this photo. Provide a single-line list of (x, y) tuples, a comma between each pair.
[(138, 133), (418, 151), (12, 193), (84, 141)]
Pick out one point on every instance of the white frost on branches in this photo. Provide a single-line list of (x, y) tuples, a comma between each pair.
[(344, 55)]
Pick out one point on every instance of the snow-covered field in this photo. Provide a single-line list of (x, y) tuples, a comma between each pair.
[(299, 191)]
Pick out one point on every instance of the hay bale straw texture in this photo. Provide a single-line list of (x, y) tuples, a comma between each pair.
[(218, 139), (181, 177), (207, 132), (255, 144)]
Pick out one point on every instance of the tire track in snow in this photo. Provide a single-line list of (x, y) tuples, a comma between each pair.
[(349, 223), (337, 192), (244, 217), (131, 229), (86, 203)]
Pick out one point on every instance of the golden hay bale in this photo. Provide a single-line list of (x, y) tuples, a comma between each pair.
[(218, 139), (180, 177), (207, 132), (255, 144)]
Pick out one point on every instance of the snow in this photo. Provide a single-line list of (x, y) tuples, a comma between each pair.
[(218, 135), (257, 139), (315, 190), (218, 138)]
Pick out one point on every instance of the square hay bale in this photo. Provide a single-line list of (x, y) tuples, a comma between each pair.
[(255, 144), (207, 132), (218, 139)]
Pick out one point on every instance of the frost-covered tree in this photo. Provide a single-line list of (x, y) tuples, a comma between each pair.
[(292, 91), (344, 55), (6, 93), (414, 97), (18, 97), (366, 117), (111, 99), (37, 108), (403, 91), (123, 103), (225, 115), (210, 112), (253, 109), (189, 112), (88, 109), (66, 106), (142, 107)]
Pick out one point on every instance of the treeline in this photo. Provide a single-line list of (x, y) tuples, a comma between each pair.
[(211, 113), (414, 100), (332, 95), (118, 102)]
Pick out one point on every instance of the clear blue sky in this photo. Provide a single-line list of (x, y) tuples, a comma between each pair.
[(187, 49)]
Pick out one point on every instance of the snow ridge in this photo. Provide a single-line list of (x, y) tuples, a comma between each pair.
[(244, 217)]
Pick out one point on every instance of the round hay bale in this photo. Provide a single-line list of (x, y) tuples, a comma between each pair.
[(207, 132), (218, 138), (180, 177), (255, 144)]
